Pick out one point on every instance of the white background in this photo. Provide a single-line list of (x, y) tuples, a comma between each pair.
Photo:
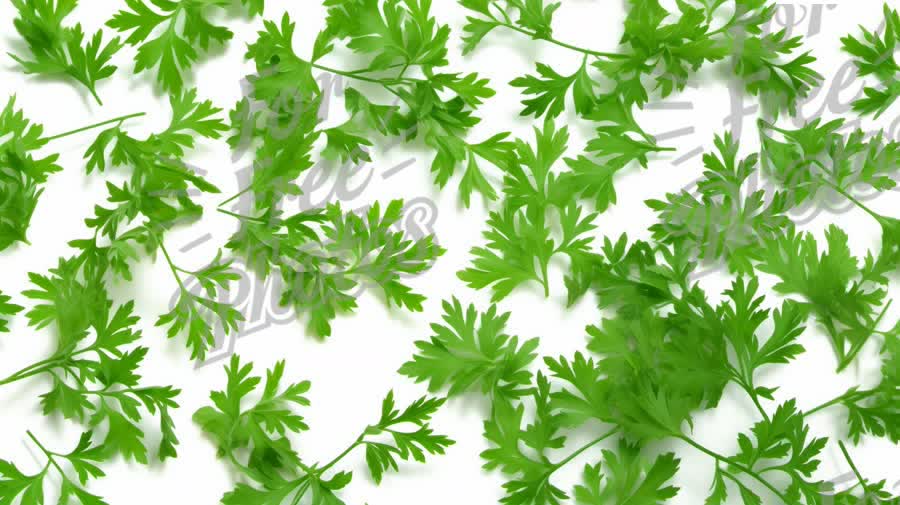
[(353, 370)]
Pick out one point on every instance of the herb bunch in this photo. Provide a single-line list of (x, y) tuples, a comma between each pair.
[(256, 439)]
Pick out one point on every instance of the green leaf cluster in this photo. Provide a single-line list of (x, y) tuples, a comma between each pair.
[(255, 436), (22, 173), (61, 50), (873, 54), (171, 35)]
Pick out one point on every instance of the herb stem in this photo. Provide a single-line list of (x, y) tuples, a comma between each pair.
[(857, 347), (589, 52), (749, 471), (235, 197), (172, 266), (241, 217), (95, 125), (348, 450), (47, 453), (751, 392), (852, 394), (584, 448), (859, 476)]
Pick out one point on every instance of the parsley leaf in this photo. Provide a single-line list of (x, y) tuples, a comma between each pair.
[(261, 432), (181, 27), (628, 479), (57, 49), (21, 174), (83, 460), (471, 352), (197, 311), (832, 283), (783, 444), (93, 375), (817, 157), (874, 55), (325, 256), (437, 108), (721, 222), (8, 310), (520, 243)]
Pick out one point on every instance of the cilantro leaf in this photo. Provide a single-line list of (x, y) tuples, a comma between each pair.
[(628, 479), (400, 32), (60, 50), (324, 256), (196, 311), (260, 435), (7, 310), (382, 456), (21, 174), (512, 445), (93, 375), (783, 444), (30, 488), (831, 281), (181, 27), (520, 243), (874, 55), (471, 352), (157, 196), (437, 108), (551, 90), (261, 428), (720, 222)]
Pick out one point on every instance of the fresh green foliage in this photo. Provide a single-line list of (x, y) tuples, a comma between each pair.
[(834, 284), (872, 492), (818, 157), (522, 452), (874, 55), (93, 369), (781, 444), (60, 50), (472, 352), (155, 198), (198, 309), (396, 38), (7, 310), (171, 34), (657, 46), (21, 173), (721, 221), (537, 201), (326, 255), (262, 432), (663, 352), (628, 479), (83, 460)]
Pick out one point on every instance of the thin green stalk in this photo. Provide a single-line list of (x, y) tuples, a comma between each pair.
[(241, 217), (352, 75), (859, 476), (848, 359), (235, 197), (749, 471), (582, 50), (95, 125), (584, 448), (171, 265), (348, 450), (48, 454)]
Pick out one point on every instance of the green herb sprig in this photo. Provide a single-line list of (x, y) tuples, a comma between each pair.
[(61, 50), (256, 441)]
